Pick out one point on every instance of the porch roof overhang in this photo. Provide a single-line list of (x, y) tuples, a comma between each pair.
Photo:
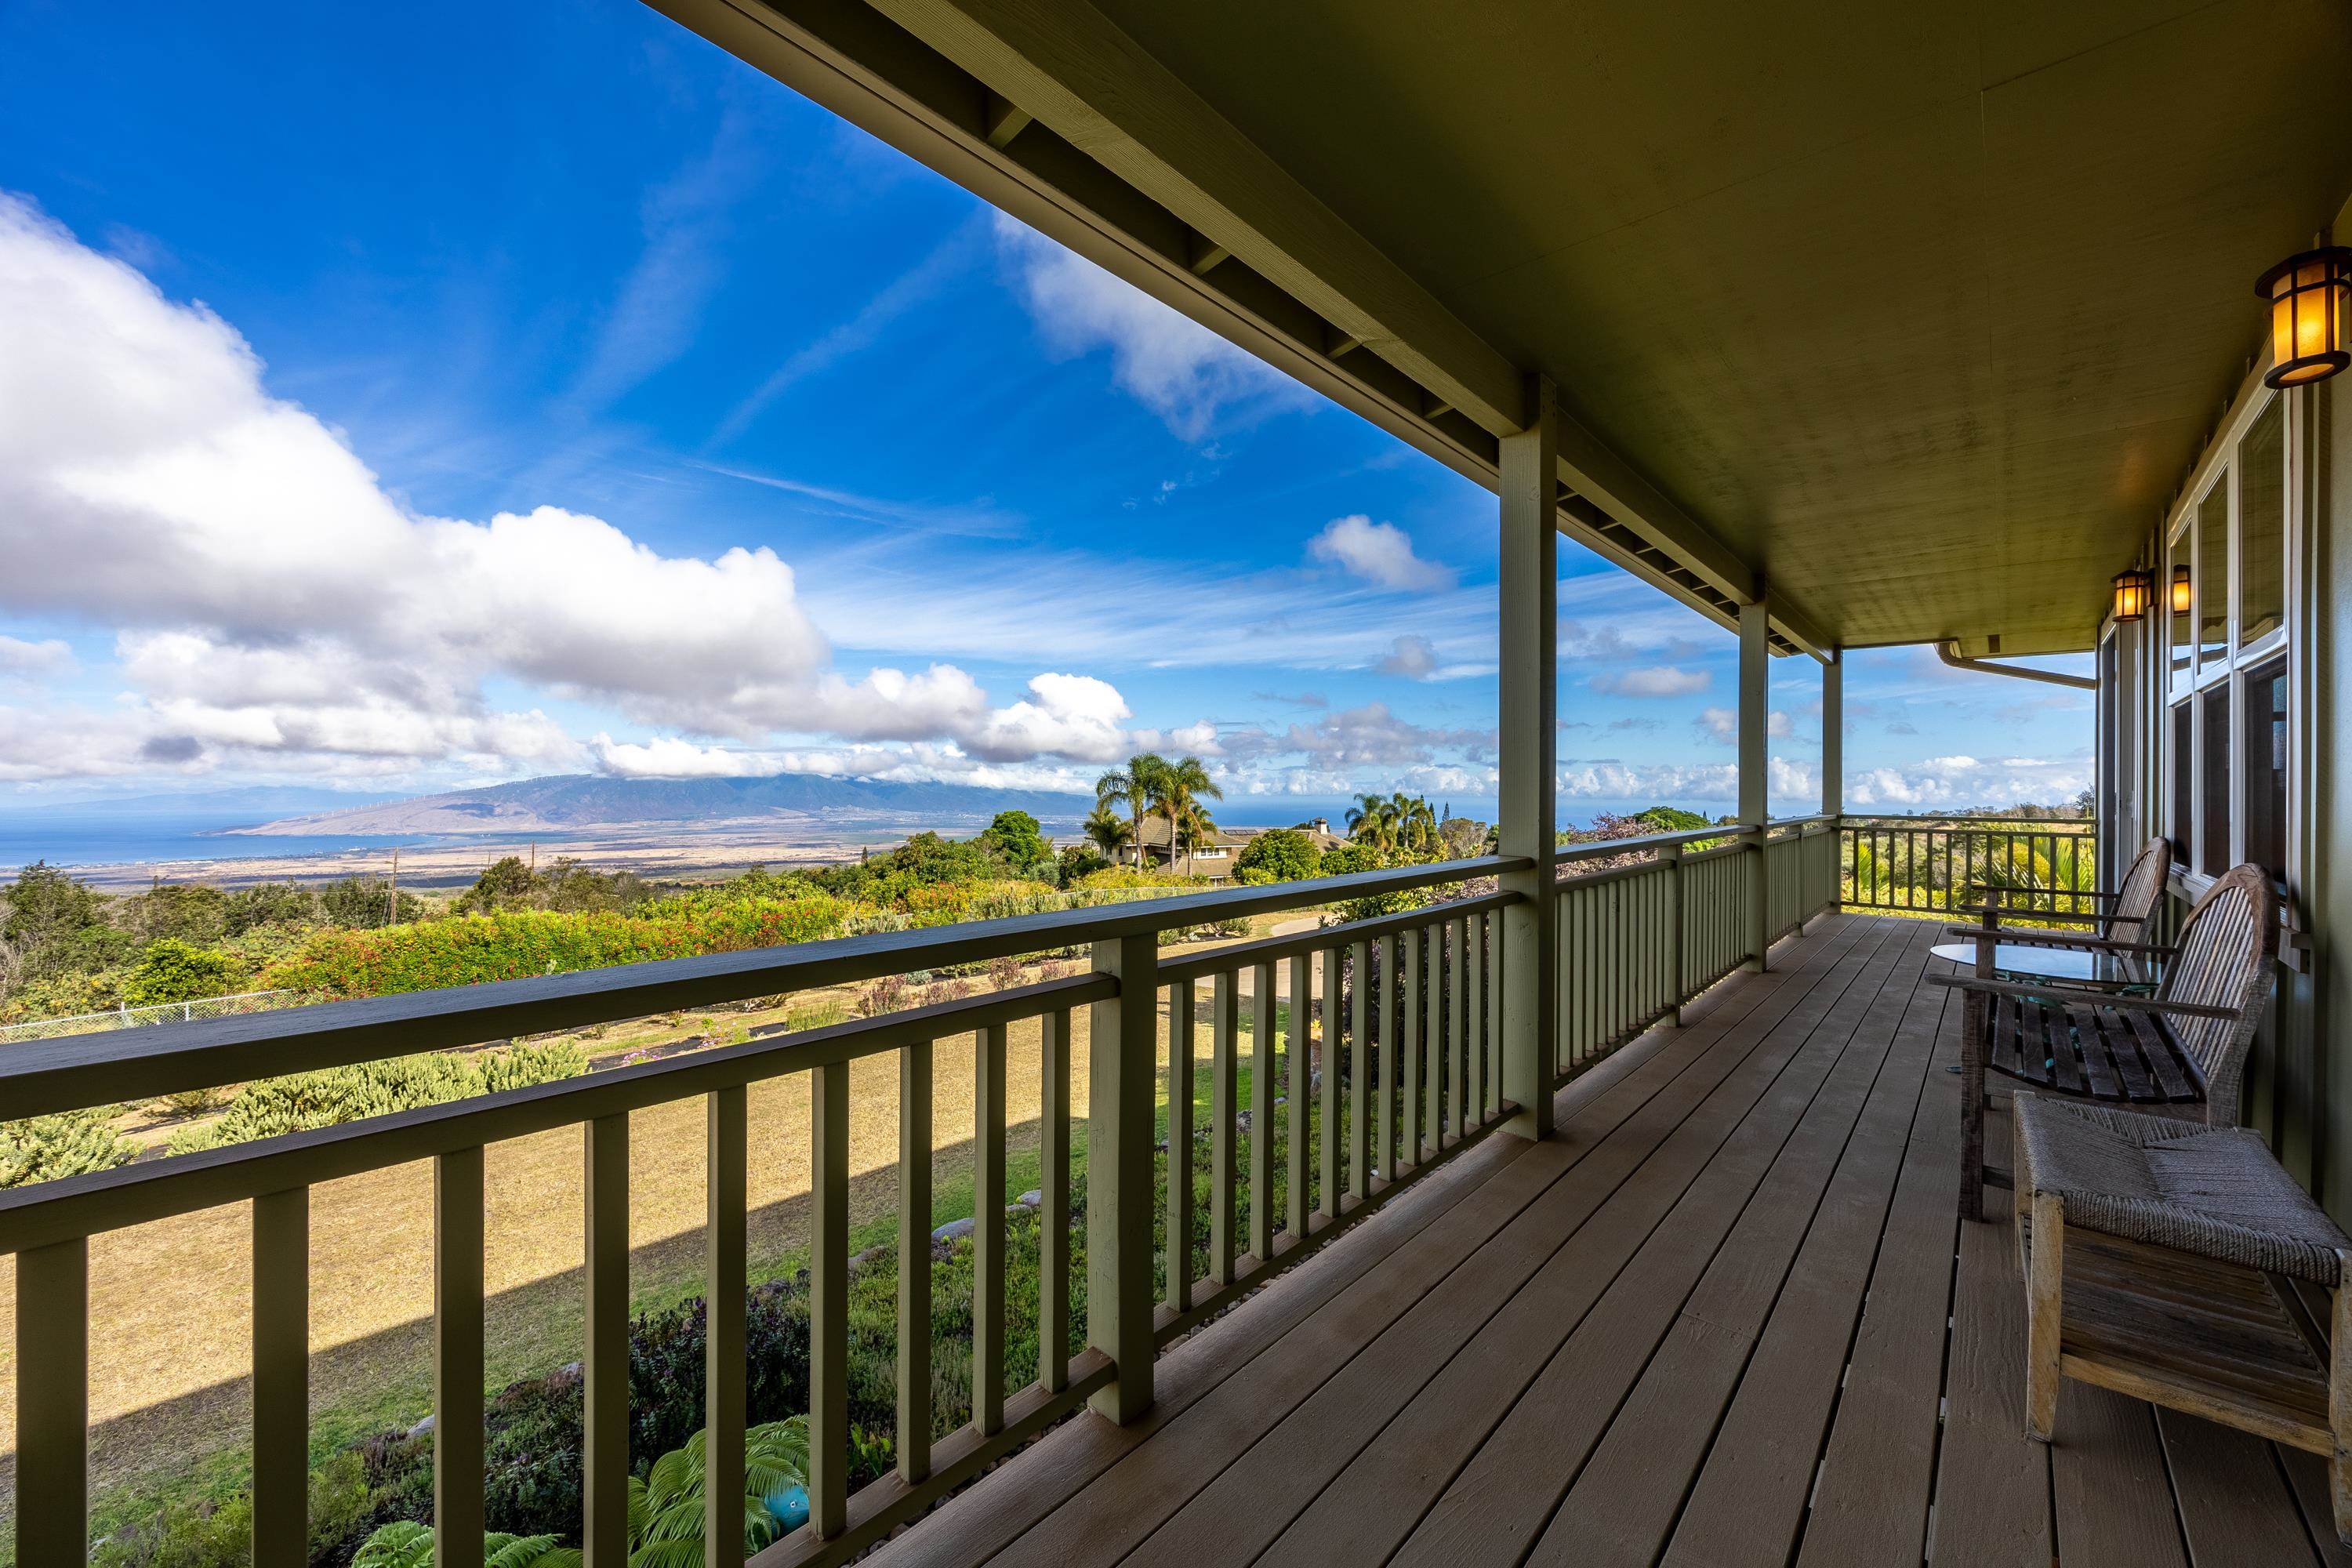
[(1921, 317)]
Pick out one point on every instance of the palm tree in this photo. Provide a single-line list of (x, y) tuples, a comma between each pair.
[(1176, 791), (1107, 833), (1415, 825), (1372, 820), (1133, 783)]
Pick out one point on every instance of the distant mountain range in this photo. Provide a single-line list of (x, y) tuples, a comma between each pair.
[(573, 801)]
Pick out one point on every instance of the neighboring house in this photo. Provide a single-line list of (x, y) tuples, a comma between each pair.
[(1212, 856)]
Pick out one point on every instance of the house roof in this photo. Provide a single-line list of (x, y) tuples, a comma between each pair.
[(1155, 836)]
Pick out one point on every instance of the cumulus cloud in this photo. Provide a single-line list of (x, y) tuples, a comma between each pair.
[(669, 757), (1412, 658), (1379, 552), (1952, 782), (1652, 680), (270, 597), (1179, 369)]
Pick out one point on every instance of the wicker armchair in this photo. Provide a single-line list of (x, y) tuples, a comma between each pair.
[(2180, 1052)]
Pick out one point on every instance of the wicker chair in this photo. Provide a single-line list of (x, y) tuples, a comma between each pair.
[(2180, 1052), (2180, 1264), (2123, 924)]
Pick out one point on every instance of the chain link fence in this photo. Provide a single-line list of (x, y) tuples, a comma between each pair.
[(139, 1017)]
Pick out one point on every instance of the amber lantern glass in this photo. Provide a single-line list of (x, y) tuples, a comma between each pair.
[(2184, 598), (2131, 595), (2307, 295)]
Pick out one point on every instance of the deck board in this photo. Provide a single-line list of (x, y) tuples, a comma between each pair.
[(1728, 1317)]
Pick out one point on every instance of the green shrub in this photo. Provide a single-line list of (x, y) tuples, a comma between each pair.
[(69, 1143), (172, 970), (1280, 854), (515, 944), (331, 1096), (218, 1533)]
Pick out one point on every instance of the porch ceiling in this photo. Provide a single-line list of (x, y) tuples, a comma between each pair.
[(1924, 312)]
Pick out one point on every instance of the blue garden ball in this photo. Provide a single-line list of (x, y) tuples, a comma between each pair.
[(788, 1506)]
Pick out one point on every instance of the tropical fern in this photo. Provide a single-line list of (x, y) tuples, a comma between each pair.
[(404, 1543), (665, 1506)]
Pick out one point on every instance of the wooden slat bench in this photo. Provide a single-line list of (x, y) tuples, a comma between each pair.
[(2160, 1258)]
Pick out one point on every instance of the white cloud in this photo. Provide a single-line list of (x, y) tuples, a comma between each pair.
[(1410, 656), (1173, 365), (48, 657), (1653, 680), (270, 598), (667, 757), (1379, 552)]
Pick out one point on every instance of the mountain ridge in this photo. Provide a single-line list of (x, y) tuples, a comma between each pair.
[(570, 801)]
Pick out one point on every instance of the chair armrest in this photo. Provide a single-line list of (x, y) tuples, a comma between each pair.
[(1998, 910), (2105, 897), (2076, 994), (2060, 939)]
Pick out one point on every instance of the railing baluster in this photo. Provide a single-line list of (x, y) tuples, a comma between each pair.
[(1261, 1141), (1297, 1070), (1120, 1207), (828, 1472), (1224, 1102), (988, 1232), (1474, 952), (457, 1359), (1457, 1112), (1563, 994), (1497, 946), (914, 1357), (604, 1366), (1334, 1042), (1410, 959), (53, 1403), (726, 1181), (1052, 1211), (1180, 1061), (1434, 1041), (281, 1376), (1384, 1126), (1359, 1130)]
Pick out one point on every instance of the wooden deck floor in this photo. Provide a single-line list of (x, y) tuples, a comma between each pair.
[(1729, 1317)]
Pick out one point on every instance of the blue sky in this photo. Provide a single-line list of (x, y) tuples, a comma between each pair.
[(400, 400)]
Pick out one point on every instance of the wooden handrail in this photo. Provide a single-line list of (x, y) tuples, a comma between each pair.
[(65, 1074)]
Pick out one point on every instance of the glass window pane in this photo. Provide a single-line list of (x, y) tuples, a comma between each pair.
[(2262, 525), (2213, 811), (2213, 574), (2181, 615), (2261, 752), (2183, 756)]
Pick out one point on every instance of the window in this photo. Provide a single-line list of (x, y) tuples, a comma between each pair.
[(2228, 681), (2183, 777), (2261, 527), (2181, 615), (2261, 761), (2214, 783), (2213, 576)]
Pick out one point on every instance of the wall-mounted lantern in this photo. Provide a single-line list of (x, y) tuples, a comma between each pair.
[(2307, 294), (2183, 601), (2131, 595)]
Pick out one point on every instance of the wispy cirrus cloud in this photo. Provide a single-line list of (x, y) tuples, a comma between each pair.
[(1177, 368)]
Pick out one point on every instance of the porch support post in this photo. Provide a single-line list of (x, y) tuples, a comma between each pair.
[(1754, 725), (1123, 1054), (1833, 766), (1529, 704)]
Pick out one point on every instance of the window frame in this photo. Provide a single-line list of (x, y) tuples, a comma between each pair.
[(2221, 466)]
